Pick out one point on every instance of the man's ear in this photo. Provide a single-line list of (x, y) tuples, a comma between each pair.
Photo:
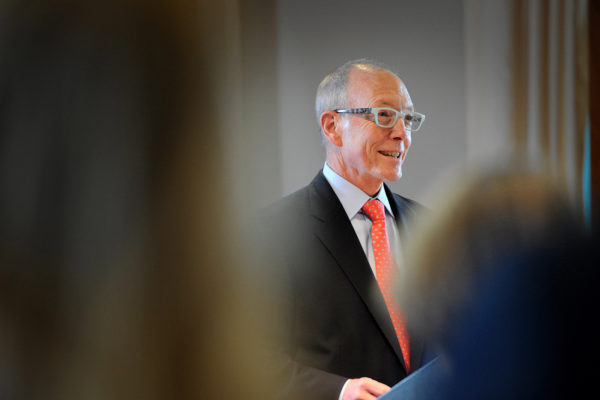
[(330, 126)]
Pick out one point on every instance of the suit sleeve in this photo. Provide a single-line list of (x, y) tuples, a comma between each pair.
[(290, 379)]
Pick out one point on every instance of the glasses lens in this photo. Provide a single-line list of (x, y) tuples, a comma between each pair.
[(413, 121), (386, 117)]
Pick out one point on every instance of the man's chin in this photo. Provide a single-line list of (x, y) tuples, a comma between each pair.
[(393, 176)]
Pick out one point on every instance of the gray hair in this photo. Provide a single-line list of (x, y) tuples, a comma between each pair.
[(332, 92)]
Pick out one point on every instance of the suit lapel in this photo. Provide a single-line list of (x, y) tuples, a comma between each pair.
[(337, 234)]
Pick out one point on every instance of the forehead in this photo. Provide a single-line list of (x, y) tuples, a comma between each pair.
[(368, 87)]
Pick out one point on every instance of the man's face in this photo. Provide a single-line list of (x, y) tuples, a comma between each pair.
[(369, 153)]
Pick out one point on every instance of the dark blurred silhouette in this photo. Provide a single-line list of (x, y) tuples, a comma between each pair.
[(115, 278), (505, 281)]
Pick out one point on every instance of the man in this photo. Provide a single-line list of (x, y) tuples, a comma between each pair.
[(345, 335)]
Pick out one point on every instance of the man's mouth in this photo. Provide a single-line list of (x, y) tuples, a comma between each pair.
[(394, 154)]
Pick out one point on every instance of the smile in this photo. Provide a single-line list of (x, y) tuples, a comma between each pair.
[(394, 154)]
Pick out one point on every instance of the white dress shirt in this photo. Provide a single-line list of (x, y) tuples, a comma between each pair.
[(352, 199)]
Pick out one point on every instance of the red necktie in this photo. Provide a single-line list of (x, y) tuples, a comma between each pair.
[(384, 269)]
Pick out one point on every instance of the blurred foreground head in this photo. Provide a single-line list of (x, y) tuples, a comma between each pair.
[(112, 279), (504, 281)]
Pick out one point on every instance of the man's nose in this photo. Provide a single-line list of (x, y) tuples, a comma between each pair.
[(398, 131)]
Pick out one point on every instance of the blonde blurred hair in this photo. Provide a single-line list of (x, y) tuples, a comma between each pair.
[(493, 215)]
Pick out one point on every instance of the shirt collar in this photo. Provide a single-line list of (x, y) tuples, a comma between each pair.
[(351, 197)]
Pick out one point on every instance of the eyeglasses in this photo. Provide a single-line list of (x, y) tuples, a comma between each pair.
[(387, 117)]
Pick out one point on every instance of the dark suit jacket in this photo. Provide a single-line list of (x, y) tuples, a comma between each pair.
[(335, 323)]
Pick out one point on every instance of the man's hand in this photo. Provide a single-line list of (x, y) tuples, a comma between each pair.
[(364, 389)]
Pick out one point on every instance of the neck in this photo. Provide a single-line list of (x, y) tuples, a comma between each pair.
[(365, 182)]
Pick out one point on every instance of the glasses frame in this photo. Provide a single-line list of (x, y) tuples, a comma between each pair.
[(375, 111)]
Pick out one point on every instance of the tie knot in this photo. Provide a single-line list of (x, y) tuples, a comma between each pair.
[(374, 210)]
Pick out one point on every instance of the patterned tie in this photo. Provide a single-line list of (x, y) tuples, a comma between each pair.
[(384, 268)]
